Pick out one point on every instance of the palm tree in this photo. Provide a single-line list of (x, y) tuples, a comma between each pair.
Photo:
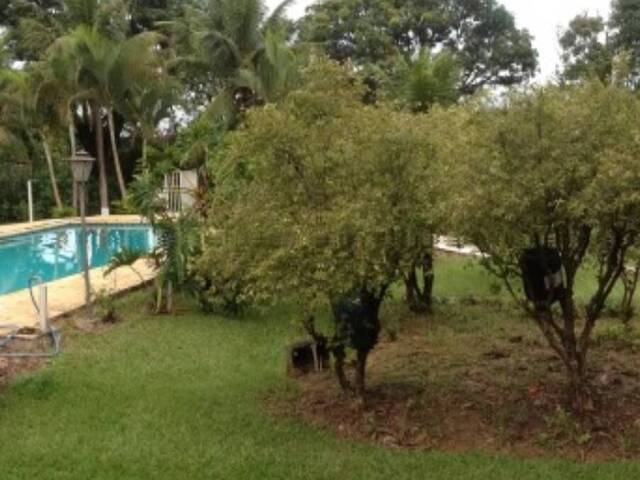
[(20, 107), (92, 71), (250, 58), (59, 87), (274, 70), (110, 74), (96, 55), (136, 77), (11, 145), (64, 29), (139, 87), (420, 83), (148, 108)]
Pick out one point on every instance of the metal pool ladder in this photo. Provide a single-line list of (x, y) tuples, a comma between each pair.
[(42, 309)]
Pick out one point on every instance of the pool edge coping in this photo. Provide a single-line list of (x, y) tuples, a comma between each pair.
[(15, 229), (66, 294)]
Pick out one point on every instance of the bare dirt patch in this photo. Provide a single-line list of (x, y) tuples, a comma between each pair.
[(487, 384)]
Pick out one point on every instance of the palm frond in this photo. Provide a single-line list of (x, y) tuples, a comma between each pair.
[(125, 258), (222, 108), (428, 80), (277, 14), (216, 40)]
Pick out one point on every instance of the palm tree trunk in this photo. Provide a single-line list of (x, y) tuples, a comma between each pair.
[(72, 132), (99, 131), (52, 172), (75, 203), (116, 156), (144, 152)]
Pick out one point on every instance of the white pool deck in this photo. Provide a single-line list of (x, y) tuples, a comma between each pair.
[(67, 295)]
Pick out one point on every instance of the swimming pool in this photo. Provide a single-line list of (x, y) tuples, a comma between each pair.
[(54, 254)]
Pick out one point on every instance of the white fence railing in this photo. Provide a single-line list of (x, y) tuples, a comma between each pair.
[(179, 188)]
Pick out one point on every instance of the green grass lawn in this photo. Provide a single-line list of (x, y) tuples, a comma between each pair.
[(462, 277), (181, 398)]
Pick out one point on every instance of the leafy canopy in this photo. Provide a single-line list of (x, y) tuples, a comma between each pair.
[(555, 168), (584, 49), (481, 34), (319, 196)]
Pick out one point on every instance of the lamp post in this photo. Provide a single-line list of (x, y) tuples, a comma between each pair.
[(30, 199), (81, 165)]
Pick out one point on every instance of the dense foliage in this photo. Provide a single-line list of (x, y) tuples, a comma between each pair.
[(120, 79), (319, 199), (117, 79), (594, 46), (481, 34), (555, 170)]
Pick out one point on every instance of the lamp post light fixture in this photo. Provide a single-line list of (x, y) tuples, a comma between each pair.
[(81, 165)]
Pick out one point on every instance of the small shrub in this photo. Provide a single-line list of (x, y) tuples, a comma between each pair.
[(106, 307), (124, 207), (63, 212), (226, 296), (563, 429)]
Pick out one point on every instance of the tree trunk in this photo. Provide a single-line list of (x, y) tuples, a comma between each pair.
[(411, 289), (575, 361), (630, 280), (169, 296), (361, 366), (52, 172), (579, 393), (144, 152), (420, 299), (572, 353), (75, 199), (99, 132), (339, 357), (428, 280), (116, 156), (159, 296), (72, 134), (570, 343)]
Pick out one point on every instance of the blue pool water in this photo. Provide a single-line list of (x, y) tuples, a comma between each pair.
[(54, 254)]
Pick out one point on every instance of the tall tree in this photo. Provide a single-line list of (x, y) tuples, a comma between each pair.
[(94, 54), (244, 53), (20, 106), (102, 54), (334, 200), (593, 46), (152, 104), (417, 85), (586, 50), (482, 34), (544, 186), (113, 73), (59, 87), (625, 31)]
